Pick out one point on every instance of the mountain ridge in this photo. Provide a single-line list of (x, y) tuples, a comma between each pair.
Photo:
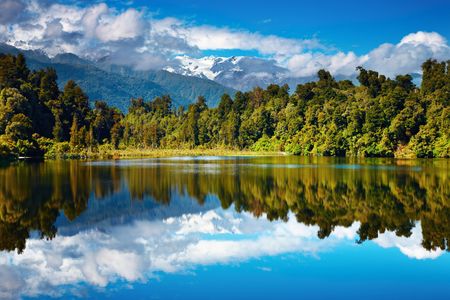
[(238, 72), (245, 73), (117, 85)]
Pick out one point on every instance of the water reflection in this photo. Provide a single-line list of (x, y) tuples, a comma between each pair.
[(138, 251), (325, 193), (69, 223)]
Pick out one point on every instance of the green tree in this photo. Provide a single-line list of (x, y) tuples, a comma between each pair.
[(12, 102), (74, 134), (19, 128)]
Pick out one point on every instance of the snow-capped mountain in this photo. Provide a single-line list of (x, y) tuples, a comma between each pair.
[(238, 72), (198, 67), (102, 80)]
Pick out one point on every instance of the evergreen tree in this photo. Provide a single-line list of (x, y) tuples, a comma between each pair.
[(58, 133), (74, 134)]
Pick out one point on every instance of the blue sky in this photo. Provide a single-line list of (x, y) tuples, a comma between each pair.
[(348, 25), (393, 37)]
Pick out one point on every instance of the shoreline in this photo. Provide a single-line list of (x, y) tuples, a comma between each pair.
[(167, 153), (155, 153), (159, 153)]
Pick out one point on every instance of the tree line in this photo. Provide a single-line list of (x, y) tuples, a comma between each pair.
[(380, 117)]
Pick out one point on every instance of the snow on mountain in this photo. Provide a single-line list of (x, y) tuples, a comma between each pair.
[(238, 72), (198, 67)]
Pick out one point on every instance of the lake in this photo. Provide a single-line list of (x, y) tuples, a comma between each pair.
[(225, 228)]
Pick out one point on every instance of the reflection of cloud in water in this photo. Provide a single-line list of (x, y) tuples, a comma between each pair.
[(10, 282), (136, 251), (207, 166), (167, 161), (205, 158), (245, 161), (410, 246)]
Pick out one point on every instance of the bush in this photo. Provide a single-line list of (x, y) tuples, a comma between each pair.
[(6, 148), (265, 144), (27, 148), (293, 148), (45, 144), (58, 150)]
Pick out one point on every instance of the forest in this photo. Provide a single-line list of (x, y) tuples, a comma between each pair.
[(379, 117)]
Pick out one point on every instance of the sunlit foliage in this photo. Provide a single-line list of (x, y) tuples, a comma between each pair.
[(381, 117)]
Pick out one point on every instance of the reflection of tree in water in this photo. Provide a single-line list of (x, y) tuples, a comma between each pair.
[(31, 196), (380, 200)]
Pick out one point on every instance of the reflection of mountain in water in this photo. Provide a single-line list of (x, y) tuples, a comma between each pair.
[(119, 210), (322, 193)]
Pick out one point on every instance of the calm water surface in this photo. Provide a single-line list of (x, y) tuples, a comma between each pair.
[(226, 228)]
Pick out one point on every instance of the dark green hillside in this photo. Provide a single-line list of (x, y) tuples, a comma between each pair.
[(178, 86), (117, 85), (117, 90)]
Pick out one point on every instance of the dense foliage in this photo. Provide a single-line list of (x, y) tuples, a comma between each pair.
[(380, 117), (118, 84)]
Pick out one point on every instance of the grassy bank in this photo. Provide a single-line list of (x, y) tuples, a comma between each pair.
[(140, 153), (105, 152)]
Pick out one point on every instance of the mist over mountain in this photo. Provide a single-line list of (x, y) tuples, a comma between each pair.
[(242, 72), (118, 84), (238, 72), (184, 80), (113, 211)]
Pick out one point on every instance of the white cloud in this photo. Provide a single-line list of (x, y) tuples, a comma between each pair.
[(408, 55), (208, 223), (10, 10), (206, 37), (405, 57), (127, 25), (66, 28), (101, 28), (137, 39), (212, 38), (91, 18), (431, 39), (307, 64)]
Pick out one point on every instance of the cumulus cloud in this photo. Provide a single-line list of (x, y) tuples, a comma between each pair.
[(98, 29), (307, 64), (389, 59), (408, 55), (94, 31), (205, 37), (213, 38), (127, 25), (11, 10), (58, 28), (138, 39), (431, 39)]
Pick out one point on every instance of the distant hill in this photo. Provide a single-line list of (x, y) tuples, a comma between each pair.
[(117, 85)]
